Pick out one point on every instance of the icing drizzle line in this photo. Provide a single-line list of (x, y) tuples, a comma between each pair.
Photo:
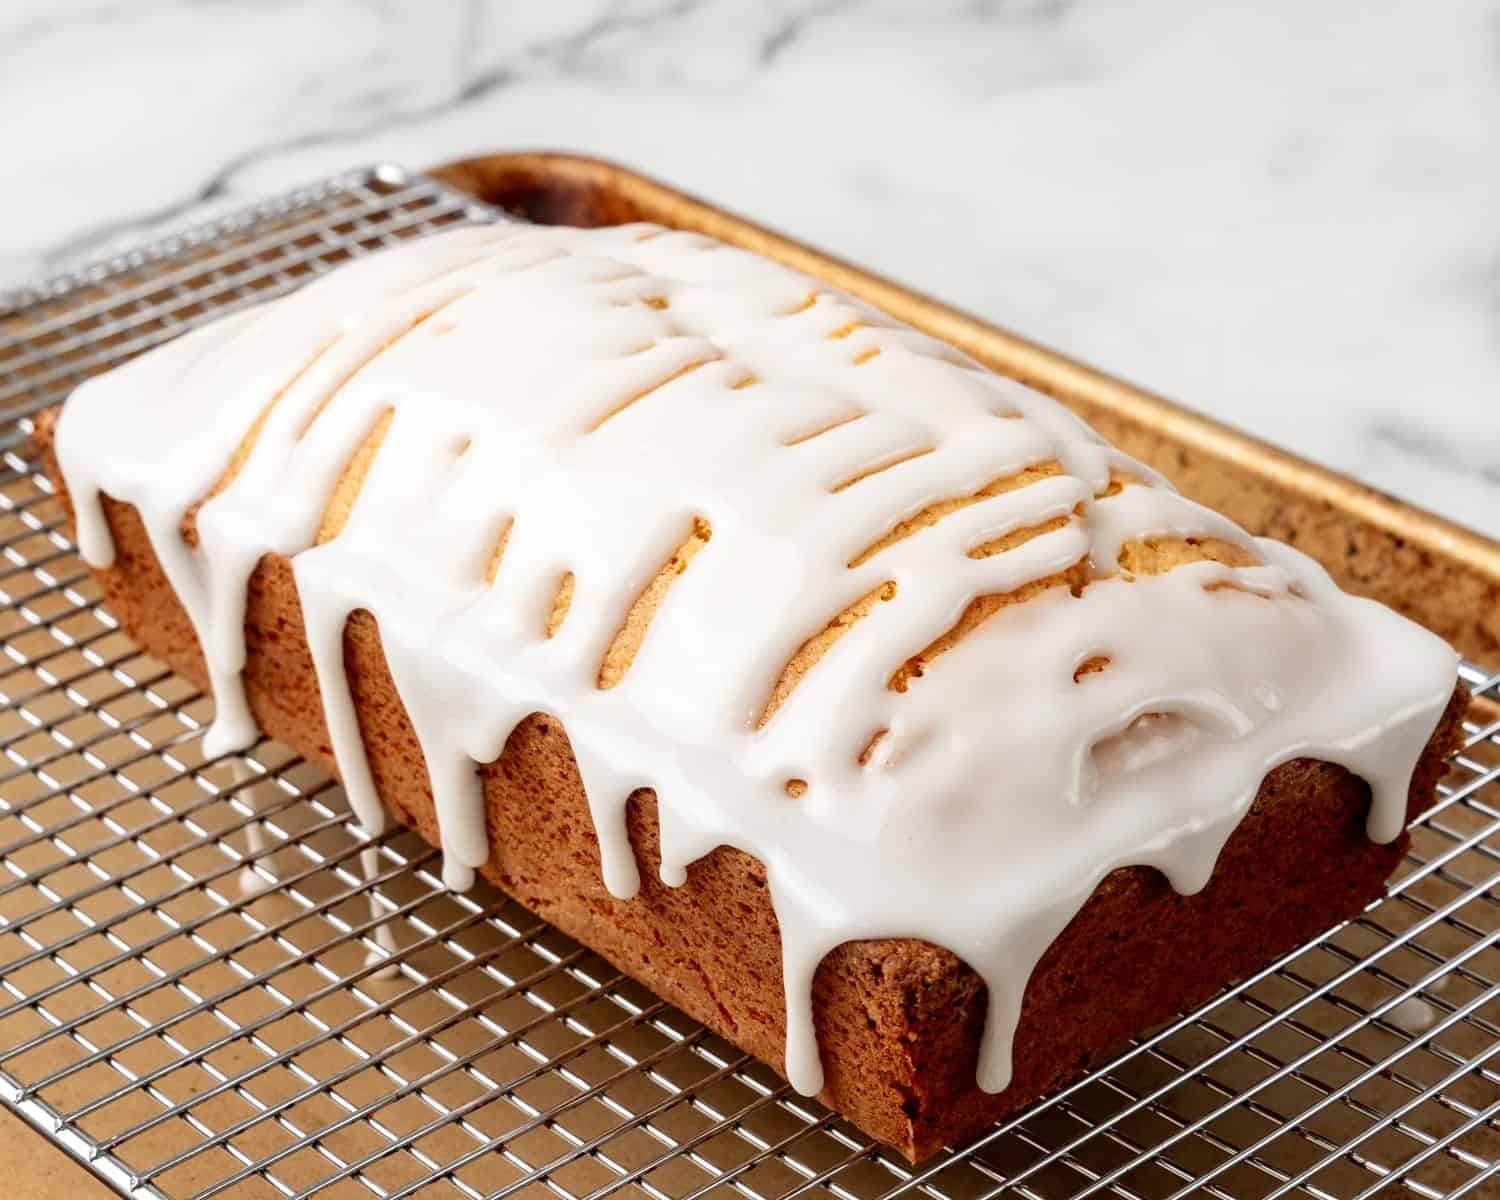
[(904, 630)]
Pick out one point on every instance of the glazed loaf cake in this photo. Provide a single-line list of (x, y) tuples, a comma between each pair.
[(860, 702)]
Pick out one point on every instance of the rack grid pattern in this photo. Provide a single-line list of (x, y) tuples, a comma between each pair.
[(211, 984)]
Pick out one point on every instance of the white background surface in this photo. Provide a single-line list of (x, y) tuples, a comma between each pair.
[(1287, 214)]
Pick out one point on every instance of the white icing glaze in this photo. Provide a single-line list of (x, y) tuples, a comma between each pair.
[(247, 784), (1413, 1015), (384, 935), (510, 358)]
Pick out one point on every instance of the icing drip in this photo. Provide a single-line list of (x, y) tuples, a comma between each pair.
[(495, 442), (246, 783), (1413, 1016)]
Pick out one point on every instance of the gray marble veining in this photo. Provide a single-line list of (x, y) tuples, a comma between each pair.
[(1286, 214)]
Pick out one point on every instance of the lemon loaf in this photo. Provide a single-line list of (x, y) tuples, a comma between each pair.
[(861, 702)]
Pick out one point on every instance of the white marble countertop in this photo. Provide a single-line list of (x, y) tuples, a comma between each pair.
[(1285, 214)]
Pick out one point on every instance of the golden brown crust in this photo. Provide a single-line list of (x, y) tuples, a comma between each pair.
[(898, 1020)]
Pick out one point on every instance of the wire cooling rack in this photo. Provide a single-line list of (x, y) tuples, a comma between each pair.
[(210, 984)]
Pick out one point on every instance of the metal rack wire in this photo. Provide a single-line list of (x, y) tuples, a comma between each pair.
[(211, 985)]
